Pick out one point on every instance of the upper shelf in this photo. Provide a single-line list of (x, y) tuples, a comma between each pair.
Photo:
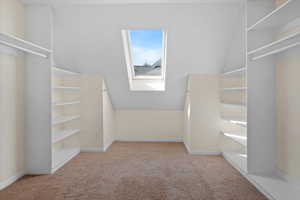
[(63, 72), (236, 72), (275, 47), (278, 17), (23, 45)]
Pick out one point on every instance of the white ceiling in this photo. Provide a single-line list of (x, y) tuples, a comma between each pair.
[(88, 38)]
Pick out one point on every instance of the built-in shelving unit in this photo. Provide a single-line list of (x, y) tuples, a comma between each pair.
[(279, 16), (61, 135), (270, 40), (237, 137), (23, 45), (66, 106)]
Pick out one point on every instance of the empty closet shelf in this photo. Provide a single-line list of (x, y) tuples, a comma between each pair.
[(23, 45), (278, 17), (238, 160), (66, 88), (234, 104), (65, 103), (236, 121), (61, 135), (235, 89), (235, 72), (60, 157), (63, 72), (59, 120), (237, 138)]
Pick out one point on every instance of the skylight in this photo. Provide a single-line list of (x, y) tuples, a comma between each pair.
[(145, 52)]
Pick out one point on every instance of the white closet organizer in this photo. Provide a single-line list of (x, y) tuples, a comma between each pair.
[(65, 116), (273, 30), (233, 93), (52, 99)]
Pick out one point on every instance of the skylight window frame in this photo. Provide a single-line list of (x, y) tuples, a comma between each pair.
[(128, 51)]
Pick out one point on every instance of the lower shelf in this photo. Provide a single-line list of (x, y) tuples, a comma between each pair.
[(274, 188), (238, 138), (61, 157), (60, 135), (238, 160)]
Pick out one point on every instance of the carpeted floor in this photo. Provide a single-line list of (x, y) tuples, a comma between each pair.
[(138, 171)]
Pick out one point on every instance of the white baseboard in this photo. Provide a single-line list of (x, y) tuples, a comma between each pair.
[(10, 180), (151, 140), (200, 152), (91, 150), (107, 146), (206, 153), (65, 161), (246, 175)]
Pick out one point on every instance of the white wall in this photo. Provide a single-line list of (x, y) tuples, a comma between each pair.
[(91, 134), (109, 120), (88, 39), (204, 119), (11, 94), (149, 125), (288, 105), (98, 124)]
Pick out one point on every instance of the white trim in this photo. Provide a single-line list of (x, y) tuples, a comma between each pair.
[(151, 140), (61, 164), (92, 150), (245, 174), (206, 153), (187, 147), (10, 180), (107, 146)]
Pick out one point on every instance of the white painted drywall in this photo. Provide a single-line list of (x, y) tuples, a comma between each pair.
[(91, 134), (88, 39), (109, 120), (11, 95), (204, 120), (288, 99), (149, 125)]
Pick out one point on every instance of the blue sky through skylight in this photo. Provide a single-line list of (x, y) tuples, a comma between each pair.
[(146, 46)]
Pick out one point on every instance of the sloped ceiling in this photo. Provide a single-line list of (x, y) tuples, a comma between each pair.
[(88, 39)]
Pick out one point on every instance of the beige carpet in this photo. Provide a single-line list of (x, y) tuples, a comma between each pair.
[(143, 171)]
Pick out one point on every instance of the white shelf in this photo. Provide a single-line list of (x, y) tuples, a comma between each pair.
[(235, 89), (61, 135), (233, 104), (23, 45), (278, 17), (60, 120), (237, 138), (66, 88), (65, 103), (273, 187), (63, 72), (238, 160), (275, 51), (61, 157), (236, 121), (235, 72)]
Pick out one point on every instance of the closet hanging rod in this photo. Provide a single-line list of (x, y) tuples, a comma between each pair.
[(23, 49), (275, 51)]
